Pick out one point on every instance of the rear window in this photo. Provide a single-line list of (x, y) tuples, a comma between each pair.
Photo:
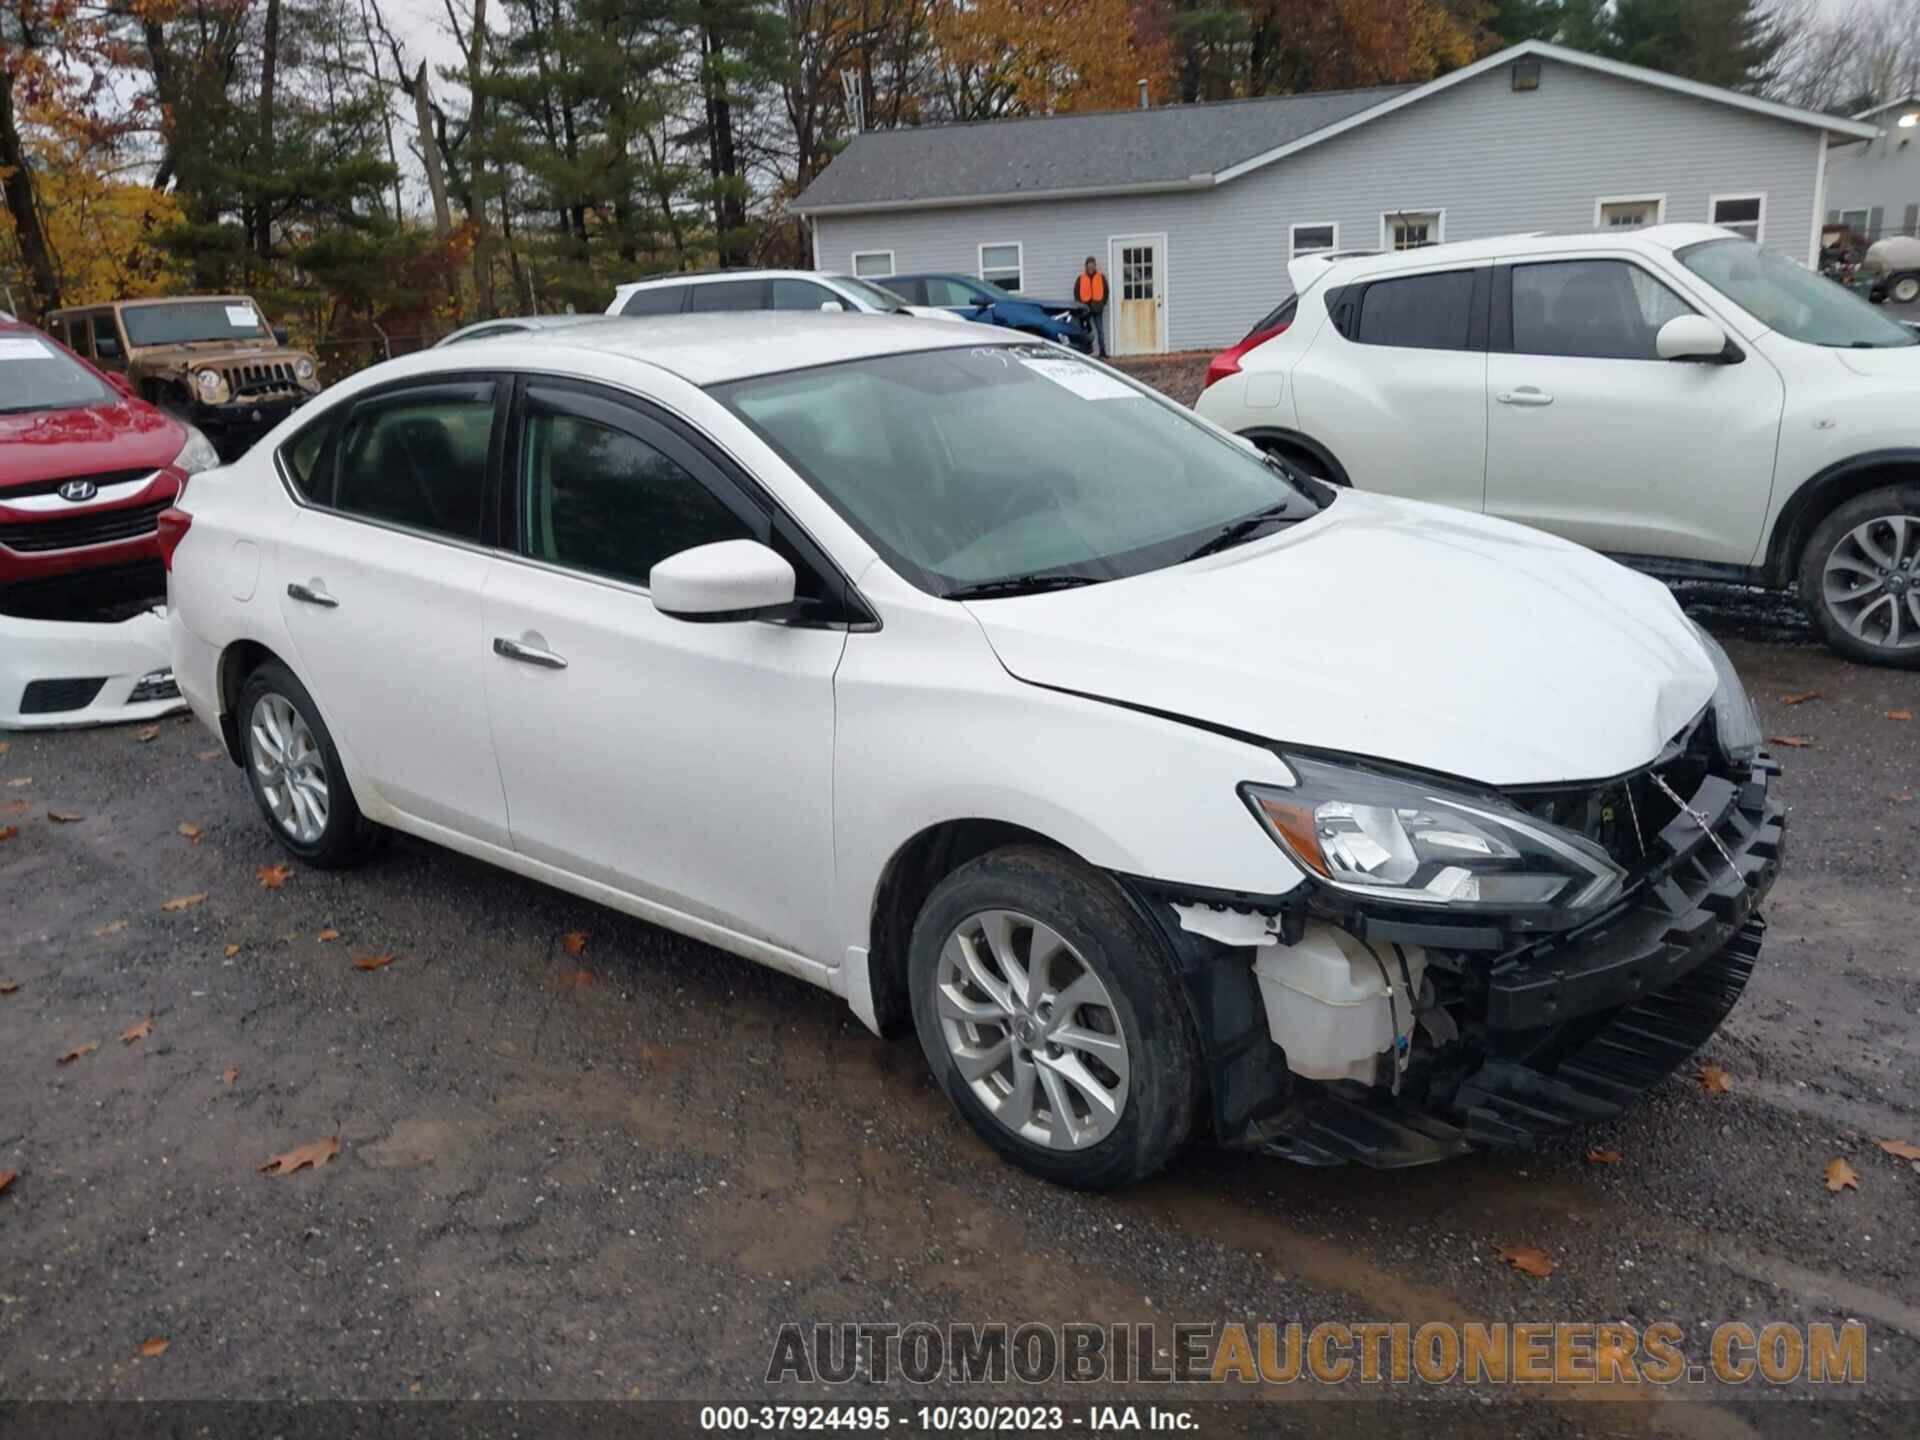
[(655, 300), (36, 374), (1421, 312)]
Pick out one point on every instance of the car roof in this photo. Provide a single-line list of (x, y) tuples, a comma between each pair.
[(708, 277), (156, 300), (521, 323), (1536, 242), (711, 348)]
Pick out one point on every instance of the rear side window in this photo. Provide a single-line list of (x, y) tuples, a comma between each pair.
[(1421, 312), (1599, 309), (419, 460), (655, 300), (728, 295), (302, 456)]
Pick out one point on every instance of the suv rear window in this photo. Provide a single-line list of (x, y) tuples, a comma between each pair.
[(1421, 312), (655, 300)]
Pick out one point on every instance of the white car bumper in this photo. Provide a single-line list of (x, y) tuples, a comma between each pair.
[(55, 674)]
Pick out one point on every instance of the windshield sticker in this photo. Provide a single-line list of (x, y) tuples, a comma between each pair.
[(1085, 381), (241, 317), (23, 350)]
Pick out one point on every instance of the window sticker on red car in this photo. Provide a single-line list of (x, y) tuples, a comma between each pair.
[(14, 349)]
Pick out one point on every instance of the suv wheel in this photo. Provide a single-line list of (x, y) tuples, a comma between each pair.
[(1860, 577), (295, 774), (1904, 288), (1051, 1019)]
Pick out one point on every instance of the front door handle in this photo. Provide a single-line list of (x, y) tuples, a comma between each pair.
[(527, 654), (1525, 395), (307, 595)]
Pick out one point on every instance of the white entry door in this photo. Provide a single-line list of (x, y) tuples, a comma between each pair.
[(1137, 276)]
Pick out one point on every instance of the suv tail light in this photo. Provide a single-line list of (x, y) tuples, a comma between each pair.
[(172, 524), (1227, 362)]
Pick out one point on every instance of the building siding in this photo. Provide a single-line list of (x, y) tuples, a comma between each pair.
[(1881, 176), (1496, 162)]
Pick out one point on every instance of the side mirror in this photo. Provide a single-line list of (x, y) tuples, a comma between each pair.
[(279, 334), (727, 580), (833, 307), (1690, 337), (981, 302)]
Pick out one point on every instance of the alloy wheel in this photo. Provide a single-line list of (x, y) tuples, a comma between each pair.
[(1032, 1030), (289, 767), (1871, 583), (1906, 289)]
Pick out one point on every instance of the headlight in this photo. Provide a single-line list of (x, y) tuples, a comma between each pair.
[(211, 384), (1735, 727), (303, 369), (1411, 843), (197, 454)]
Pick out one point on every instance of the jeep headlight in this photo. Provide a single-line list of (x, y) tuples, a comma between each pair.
[(1736, 729), (197, 454), (303, 369), (1407, 842), (212, 386)]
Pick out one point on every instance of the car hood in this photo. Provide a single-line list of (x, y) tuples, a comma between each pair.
[(1047, 304), (206, 352), (1388, 629), (117, 435)]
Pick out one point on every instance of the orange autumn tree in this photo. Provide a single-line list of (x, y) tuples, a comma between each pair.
[(1038, 57)]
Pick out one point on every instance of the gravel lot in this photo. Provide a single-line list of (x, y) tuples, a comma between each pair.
[(614, 1174)]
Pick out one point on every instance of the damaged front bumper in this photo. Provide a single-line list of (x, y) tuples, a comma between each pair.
[(1501, 1039), (59, 674)]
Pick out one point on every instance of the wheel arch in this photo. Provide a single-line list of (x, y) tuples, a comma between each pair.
[(1280, 438), (239, 660), (1824, 493)]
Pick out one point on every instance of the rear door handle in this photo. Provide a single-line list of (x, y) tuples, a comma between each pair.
[(527, 654), (1525, 395), (307, 595)]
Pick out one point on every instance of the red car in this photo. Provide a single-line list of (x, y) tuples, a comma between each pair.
[(84, 469)]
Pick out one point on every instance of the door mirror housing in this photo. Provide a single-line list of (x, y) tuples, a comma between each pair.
[(832, 306), (1691, 337), (727, 580), (280, 334)]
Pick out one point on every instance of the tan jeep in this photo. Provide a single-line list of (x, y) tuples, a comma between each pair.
[(212, 360)]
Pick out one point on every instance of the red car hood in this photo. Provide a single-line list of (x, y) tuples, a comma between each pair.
[(116, 435)]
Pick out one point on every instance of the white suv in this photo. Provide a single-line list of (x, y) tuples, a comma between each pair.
[(1675, 397), (717, 291)]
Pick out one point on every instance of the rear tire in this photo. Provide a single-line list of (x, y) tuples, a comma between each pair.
[(1860, 577), (1032, 972), (1904, 288), (295, 773)]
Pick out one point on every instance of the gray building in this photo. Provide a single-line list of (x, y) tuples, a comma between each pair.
[(1195, 210), (1874, 188)]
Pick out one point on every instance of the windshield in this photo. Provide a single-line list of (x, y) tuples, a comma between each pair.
[(1799, 303), (178, 324), (1011, 464), (877, 296), (36, 374)]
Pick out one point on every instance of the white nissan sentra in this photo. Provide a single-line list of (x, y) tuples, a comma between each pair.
[(1163, 792)]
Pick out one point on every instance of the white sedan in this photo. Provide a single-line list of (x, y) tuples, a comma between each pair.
[(1162, 791)]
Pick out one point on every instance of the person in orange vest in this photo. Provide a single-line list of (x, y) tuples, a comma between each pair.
[(1090, 289)]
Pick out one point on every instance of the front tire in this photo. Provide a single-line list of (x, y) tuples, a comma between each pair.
[(1050, 1016), (1860, 577), (1904, 288), (295, 773)]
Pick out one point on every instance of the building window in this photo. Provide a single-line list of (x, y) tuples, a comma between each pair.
[(1856, 220), (1307, 239), (873, 264), (1628, 212), (1410, 229), (1742, 214), (1000, 265)]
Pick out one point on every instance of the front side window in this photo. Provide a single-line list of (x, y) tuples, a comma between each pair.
[(873, 264), (1741, 214), (1311, 239), (804, 295), (175, 322), (1422, 312), (106, 339), (600, 500), (1798, 303), (35, 375), (952, 293), (656, 300), (1000, 265), (949, 463), (419, 460), (878, 296), (1601, 309), (1410, 229)]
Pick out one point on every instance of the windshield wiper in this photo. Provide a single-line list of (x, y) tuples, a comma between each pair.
[(1235, 531), (1018, 585)]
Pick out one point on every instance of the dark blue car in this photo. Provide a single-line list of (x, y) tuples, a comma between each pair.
[(1061, 320)]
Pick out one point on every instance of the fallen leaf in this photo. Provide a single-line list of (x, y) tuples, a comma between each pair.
[(1799, 697), (1715, 1080), (1528, 1260), (1792, 742), (192, 831), (112, 927), (78, 1051), (17, 784), (183, 902), (137, 1032), (7, 1177), (5, 745), (155, 1345), (372, 962), (229, 1075), (1904, 1149), (575, 941), (206, 755), (7, 832), (1899, 714), (146, 733), (1603, 1157), (1841, 1176), (7, 987), (327, 935), (232, 950), (65, 817), (272, 877), (19, 807), (575, 980), (315, 1153)]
